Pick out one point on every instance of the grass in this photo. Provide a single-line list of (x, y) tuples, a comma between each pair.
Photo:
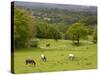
[(57, 57)]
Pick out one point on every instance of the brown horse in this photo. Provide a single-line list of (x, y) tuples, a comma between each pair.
[(30, 61), (48, 45)]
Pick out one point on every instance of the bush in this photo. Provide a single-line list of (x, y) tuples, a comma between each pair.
[(33, 43)]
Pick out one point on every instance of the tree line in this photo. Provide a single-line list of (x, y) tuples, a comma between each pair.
[(28, 27)]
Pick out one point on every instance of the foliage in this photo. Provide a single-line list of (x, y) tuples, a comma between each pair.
[(89, 20), (33, 43), (66, 17), (23, 27), (77, 31), (44, 30), (95, 36), (51, 24)]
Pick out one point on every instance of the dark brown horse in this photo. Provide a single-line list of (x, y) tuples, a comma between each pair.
[(30, 61), (48, 45)]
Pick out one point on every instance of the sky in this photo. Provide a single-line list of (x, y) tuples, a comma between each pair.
[(76, 2)]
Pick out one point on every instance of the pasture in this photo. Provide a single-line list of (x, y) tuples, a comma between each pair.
[(57, 56)]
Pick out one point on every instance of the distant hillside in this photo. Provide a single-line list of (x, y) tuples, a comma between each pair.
[(69, 7), (61, 14)]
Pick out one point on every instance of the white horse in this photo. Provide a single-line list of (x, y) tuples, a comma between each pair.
[(71, 56), (43, 58)]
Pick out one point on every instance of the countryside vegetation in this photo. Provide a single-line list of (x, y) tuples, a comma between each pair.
[(65, 31)]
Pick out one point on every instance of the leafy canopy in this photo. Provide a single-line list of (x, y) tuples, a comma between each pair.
[(23, 27), (77, 31)]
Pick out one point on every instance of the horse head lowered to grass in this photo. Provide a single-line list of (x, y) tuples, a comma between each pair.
[(30, 61)]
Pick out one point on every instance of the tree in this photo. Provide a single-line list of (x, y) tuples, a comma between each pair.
[(95, 36), (23, 27), (55, 33), (45, 30), (77, 31)]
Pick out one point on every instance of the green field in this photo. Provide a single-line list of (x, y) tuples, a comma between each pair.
[(57, 56)]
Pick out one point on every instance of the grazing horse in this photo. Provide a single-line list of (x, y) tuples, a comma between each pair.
[(43, 58), (47, 45), (71, 57), (30, 61)]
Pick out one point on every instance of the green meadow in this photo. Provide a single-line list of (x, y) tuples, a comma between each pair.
[(57, 56)]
